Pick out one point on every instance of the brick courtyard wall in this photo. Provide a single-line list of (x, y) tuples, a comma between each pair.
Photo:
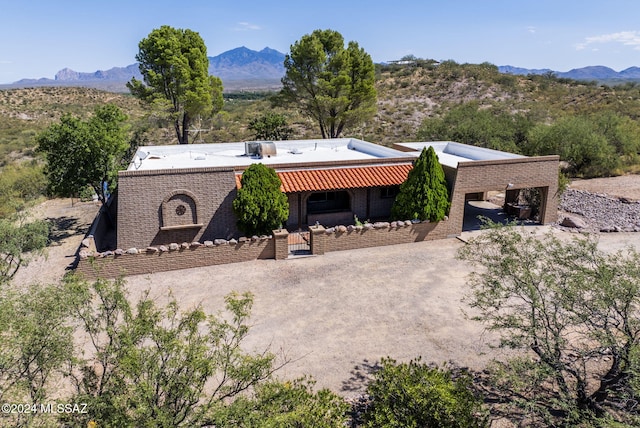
[(518, 173), (209, 192), (375, 235), (157, 259)]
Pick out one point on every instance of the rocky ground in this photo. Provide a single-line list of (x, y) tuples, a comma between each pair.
[(597, 212)]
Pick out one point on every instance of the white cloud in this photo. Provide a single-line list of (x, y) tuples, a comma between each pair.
[(531, 29), (626, 38), (247, 26)]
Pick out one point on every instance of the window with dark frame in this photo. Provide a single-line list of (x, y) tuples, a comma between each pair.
[(325, 202), (389, 192)]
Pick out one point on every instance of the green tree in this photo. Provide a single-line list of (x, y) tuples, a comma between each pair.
[(270, 126), (415, 395), (468, 123), (331, 84), (579, 142), (85, 153), (160, 367), (260, 206), (175, 68), (36, 340), (566, 305), (424, 194)]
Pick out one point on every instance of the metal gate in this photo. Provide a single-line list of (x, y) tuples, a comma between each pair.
[(299, 243)]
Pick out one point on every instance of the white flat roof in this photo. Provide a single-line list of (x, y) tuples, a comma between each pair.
[(302, 151), (233, 154), (451, 153)]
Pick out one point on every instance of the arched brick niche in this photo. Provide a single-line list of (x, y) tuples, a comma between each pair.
[(180, 211)]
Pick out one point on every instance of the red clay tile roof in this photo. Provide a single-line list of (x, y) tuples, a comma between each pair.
[(341, 178)]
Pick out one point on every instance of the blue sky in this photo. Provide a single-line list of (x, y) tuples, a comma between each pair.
[(38, 38)]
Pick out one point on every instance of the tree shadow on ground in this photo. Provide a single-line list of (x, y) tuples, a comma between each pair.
[(65, 227), (361, 375)]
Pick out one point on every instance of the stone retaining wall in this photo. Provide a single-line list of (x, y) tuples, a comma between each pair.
[(342, 238)]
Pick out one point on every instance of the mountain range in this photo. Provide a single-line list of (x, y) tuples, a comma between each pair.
[(597, 72), (239, 68), (245, 69)]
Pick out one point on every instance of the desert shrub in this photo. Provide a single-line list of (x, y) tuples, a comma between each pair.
[(285, 405), (417, 395)]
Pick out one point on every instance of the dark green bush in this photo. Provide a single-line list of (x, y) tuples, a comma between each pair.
[(416, 395), (424, 194), (260, 205)]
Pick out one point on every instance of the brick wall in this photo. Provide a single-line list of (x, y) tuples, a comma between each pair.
[(381, 234), (518, 173), (146, 262), (142, 195)]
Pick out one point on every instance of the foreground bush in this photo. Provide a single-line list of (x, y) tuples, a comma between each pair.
[(416, 395)]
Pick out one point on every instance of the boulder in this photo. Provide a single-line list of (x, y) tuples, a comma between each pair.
[(232, 241), (380, 225), (163, 248), (152, 249), (208, 243), (174, 247), (184, 245), (83, 254), (196, 244), (119, 252), (220, 242), (573, 222), (132, 251), (341, 229)]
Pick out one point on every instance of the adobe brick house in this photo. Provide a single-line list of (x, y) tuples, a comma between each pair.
[(185, 193)]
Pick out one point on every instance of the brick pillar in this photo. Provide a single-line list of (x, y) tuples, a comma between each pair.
[(318, 237), (281, 243)]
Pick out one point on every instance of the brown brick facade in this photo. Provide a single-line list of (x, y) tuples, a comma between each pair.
[(517, 173), (148, 201), (159, 207)]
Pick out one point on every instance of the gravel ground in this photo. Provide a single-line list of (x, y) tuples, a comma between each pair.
[(601, 212)]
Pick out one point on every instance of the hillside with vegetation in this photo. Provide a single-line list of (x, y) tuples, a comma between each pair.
[(592, 126)]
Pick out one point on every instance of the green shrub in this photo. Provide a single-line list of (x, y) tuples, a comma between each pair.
[(416, 395), (424, 194), (260, 206), (285, 405)]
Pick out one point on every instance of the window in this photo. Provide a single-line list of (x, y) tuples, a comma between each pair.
[(389, 192), (324, 202)]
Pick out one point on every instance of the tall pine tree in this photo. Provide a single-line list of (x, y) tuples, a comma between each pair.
[(424, 194)]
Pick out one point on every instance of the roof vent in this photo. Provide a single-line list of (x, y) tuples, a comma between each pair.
[(260, 148)]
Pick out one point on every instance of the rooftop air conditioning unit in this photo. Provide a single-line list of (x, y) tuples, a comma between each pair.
[(260, 148)]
